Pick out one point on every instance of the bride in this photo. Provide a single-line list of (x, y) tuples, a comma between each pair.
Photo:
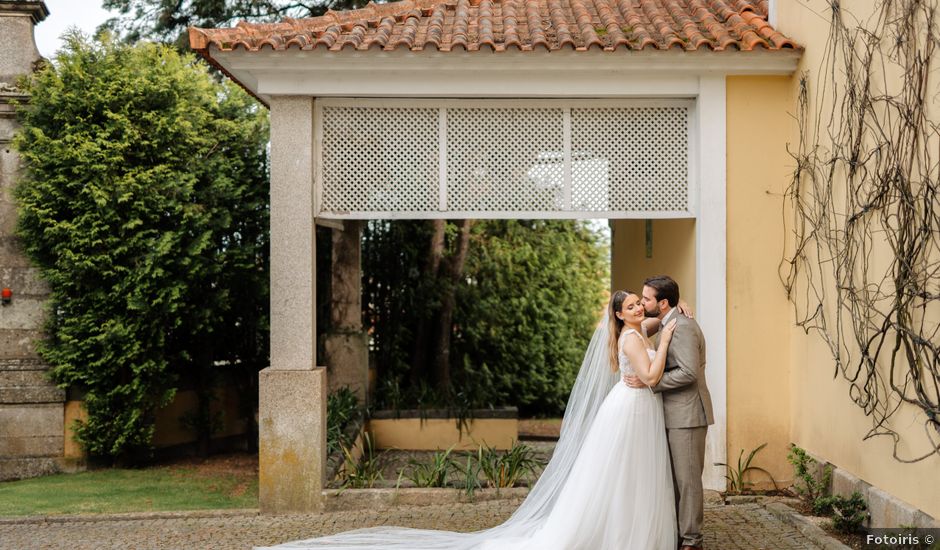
[(608, 484)]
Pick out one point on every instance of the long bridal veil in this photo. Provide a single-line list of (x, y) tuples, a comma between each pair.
[(594, 381)]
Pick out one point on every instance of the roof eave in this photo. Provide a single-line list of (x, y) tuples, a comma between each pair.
[(426, 73)]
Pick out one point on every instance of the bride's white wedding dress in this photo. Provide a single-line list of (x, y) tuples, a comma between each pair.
[(608, 485), (619, 494)]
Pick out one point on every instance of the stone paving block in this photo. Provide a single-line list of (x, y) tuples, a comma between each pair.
[(741, 527)]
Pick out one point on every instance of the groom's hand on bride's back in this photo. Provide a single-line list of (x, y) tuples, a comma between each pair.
[(633, 381)]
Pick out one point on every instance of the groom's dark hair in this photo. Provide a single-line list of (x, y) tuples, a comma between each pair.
[(666, 288)]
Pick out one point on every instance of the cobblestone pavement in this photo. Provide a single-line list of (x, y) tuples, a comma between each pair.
[(738, 527)]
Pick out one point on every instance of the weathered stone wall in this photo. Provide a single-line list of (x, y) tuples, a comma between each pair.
[(31, 408)]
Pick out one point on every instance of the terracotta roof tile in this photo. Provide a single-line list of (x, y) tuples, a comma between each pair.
[(499, 25)]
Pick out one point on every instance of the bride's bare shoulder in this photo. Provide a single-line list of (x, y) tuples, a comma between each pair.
[(632, 338)]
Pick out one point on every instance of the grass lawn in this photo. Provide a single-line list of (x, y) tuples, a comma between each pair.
[(220, 482)]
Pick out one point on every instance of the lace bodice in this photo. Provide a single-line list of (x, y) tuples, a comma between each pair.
[(624, 361)]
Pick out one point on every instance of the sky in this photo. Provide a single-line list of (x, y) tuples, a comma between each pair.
[(84, 14)]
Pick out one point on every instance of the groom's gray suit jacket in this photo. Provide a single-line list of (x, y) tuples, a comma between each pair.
[(686, 401)]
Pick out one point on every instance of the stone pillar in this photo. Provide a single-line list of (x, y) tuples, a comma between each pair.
[(292, 391), (32, 425), (345, 347)]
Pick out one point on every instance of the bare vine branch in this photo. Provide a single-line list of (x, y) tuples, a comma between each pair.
[(865, 269)]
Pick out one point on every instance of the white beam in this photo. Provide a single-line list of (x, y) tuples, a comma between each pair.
[(710, 259), (322, 73)]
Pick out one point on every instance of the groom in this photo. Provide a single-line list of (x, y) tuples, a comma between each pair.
[(687, 405)]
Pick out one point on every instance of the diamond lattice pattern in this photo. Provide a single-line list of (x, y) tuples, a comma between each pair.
[(504, 161)]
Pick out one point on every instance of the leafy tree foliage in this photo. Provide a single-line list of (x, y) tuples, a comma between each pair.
[(527, 304), (167, 20), (145, 207)]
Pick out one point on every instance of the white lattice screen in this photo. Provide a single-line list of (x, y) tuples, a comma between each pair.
[(498, 159)]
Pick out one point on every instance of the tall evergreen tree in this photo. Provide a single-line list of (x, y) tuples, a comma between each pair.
[(145, 207), (525, 303)]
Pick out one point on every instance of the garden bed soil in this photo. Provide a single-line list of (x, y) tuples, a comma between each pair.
[(393, 461), (853, 540)]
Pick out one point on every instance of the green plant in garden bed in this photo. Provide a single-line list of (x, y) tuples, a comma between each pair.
[(365, 472), (735, 475), (342, 407), (847, 514), (433, 473), (469, 480), (128, 490), (812, 489), (506, 469)]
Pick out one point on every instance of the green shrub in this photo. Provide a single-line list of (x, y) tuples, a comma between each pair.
[(812, 489), (144, 205), (848, 514)]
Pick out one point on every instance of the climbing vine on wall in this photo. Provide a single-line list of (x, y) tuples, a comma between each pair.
[(865, 213)]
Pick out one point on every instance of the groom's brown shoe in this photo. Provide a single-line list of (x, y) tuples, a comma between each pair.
[(691, 548)]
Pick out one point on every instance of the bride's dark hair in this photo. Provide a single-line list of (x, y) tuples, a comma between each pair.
[(615, 325)]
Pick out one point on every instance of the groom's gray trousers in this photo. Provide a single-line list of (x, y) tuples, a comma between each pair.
[(687, 408), (687, 449)]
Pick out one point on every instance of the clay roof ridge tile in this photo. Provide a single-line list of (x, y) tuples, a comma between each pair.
[(409, 32), (383, 32), (534, 25), (634, 31), (510, 24), (717, 34), (747, 32), (586, 25), (661, 24), (721, 10), (686, 28), (461, 32), (772, 36), (435, 30), (299, 40), (560, 23), (612, 27), (485, 23)]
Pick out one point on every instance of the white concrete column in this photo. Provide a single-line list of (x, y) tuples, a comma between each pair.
[(710, 253), (293, 390)]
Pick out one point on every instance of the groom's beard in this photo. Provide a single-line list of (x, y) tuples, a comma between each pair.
[(652, 314)]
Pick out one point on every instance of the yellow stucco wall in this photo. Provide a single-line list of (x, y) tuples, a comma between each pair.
[(758, 370), (431, 434), (823, 419), (673, 254), (168, 430)]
